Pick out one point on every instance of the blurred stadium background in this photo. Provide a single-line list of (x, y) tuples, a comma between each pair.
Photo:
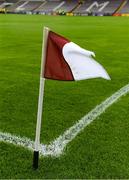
[(101, 151), (66, 7)]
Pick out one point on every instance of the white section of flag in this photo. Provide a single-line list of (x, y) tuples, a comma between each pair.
[(82, 64)]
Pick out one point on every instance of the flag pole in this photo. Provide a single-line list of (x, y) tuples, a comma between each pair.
[(40, 100)]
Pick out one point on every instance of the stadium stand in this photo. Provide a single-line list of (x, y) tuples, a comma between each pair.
[(11, 1), (7, 3), (55, 6), (98, 7), (76, 7), (125, 8), (68, 5), (1, 2), (49, 6), (14, 6), (30, 5)]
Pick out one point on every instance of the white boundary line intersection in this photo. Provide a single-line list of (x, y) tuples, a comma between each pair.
[(57, 147)]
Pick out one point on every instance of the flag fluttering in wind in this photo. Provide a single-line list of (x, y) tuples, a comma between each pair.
[(66, 61)]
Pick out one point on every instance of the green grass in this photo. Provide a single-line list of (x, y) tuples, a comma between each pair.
[(102, 149)]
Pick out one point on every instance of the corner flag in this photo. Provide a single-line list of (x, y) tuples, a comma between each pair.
[(66, 61)]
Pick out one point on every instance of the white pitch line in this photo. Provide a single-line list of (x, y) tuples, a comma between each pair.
[(57, 147), (17, 140)]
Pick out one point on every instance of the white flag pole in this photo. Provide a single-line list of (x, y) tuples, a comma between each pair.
[(40, 101)]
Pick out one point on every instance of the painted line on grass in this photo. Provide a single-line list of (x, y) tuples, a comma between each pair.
[(57, 147), (17, 140)]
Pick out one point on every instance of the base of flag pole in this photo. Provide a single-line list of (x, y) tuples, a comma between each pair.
[(36, 159)]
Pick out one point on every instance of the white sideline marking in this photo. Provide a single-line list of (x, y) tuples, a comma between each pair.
[(17, 140), (57, 147)]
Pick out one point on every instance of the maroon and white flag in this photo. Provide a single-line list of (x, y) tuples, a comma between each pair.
[(63, 60), (67, 61)]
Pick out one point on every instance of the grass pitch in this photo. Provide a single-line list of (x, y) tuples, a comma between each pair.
[(102, 149)]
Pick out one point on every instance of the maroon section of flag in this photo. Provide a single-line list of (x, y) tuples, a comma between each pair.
[(55, 65)]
